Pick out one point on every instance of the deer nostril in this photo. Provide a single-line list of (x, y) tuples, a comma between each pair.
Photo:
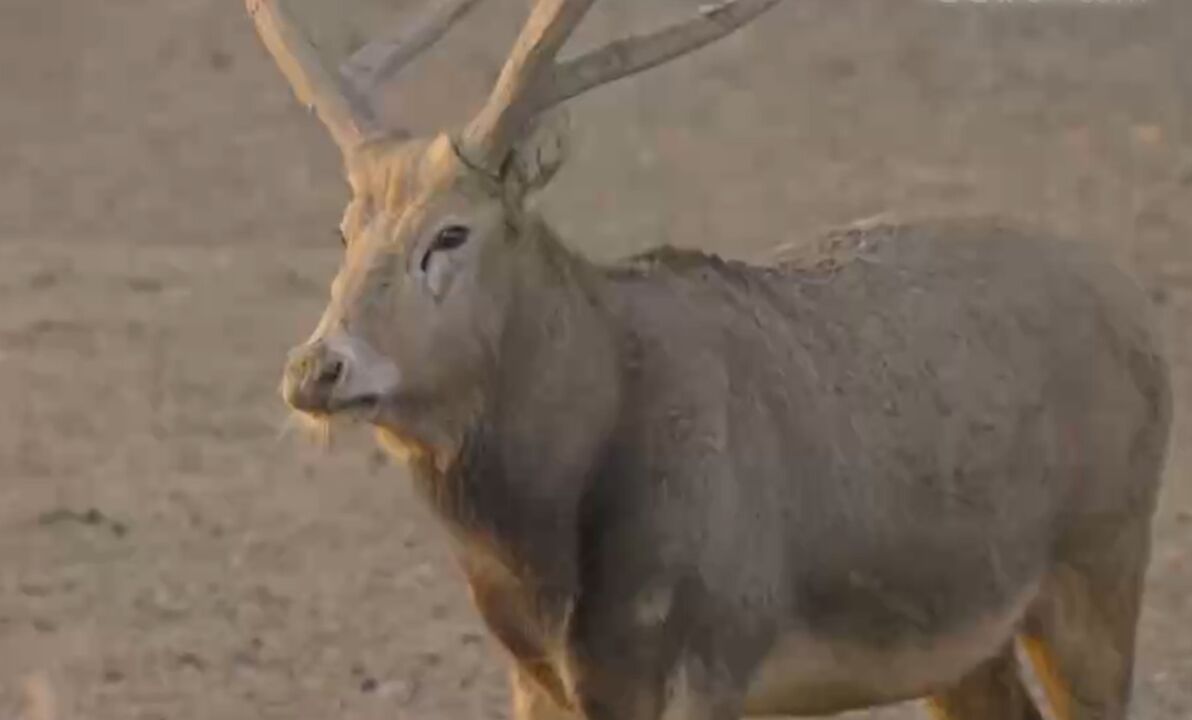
[(331, 372)]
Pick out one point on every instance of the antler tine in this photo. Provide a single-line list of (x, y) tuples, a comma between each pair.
[(375, 63), (631, 55), (343, 100), (532, 81), (349, 120), (489, 136)]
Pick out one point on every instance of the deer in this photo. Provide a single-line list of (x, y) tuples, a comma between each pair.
[(899, 460)]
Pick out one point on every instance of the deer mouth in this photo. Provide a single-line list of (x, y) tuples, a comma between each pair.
[(338, 375), (362, 407)]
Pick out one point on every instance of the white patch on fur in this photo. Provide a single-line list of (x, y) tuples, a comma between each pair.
[(366, 371), (680, 700), (653, 605), (691, 689)]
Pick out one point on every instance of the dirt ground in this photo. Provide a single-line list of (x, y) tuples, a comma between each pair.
[(166, 232)]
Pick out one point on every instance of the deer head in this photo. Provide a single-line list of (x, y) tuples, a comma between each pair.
[(439, 250)]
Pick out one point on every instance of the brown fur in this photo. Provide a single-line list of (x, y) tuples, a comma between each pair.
[(685, 487), (901, 446)]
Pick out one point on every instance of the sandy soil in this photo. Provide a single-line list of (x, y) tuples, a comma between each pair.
[(166, 232)]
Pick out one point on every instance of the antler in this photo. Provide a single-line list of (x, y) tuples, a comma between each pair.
[(631, 55), (532, 81), (344, 100), (372, 65)]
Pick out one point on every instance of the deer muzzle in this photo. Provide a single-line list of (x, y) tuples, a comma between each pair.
[(312, 373), (336, 374)]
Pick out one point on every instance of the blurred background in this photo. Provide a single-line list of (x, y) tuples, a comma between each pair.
[(167, 231)]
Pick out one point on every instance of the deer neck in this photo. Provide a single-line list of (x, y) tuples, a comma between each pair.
[(512, 496)]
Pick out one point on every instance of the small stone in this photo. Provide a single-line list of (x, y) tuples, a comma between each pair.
[(471, 638), (220, 60), (189, 659), (43, 625)]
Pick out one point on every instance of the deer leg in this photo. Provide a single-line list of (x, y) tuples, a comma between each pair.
[(532, 702), (993, 691), (689, 692), (1081, 638)]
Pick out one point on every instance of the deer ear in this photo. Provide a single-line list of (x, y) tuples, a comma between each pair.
[(537, 158)]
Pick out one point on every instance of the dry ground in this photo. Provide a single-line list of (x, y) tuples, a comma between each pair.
[(166, 218)]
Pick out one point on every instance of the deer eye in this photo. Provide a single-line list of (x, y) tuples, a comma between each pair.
[(449, 238)]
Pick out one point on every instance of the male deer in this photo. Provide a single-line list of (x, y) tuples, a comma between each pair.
[(684, 487)]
